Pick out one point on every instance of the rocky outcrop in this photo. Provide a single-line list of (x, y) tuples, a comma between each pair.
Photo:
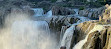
[(57, 10), (98, 39), (57, 22), (106, 17), (93, 13)]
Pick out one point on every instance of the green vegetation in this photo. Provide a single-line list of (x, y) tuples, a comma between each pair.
[(53, 0), (81, 8)]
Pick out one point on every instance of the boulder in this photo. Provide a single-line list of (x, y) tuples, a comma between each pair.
[(57, 22), (57, 10)]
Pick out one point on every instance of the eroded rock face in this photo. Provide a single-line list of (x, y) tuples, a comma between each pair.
[(81, 31), (57, 22), (92, 13), (99, 40), (96, 40), (57, 10), (108, 39)]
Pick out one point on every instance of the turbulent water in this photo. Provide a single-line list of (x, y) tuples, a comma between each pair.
[(40, 12), (28, 35), (23, 33), (31, 35)]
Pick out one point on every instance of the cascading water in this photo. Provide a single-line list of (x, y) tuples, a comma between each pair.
[(66, 41), (38, 12), (48, 14), (28, 35), (82, 18), (22, 32), (31, 35)]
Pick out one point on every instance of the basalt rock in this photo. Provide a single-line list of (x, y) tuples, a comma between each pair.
[(57, 22), (93, 13), (57, 10)]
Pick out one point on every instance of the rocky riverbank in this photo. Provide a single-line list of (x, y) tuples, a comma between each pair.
[(79, 27), (96, 39)]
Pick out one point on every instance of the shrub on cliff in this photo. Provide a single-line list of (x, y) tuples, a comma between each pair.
[(81, 8)]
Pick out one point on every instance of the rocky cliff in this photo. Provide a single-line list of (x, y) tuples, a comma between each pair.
[(98, 38)]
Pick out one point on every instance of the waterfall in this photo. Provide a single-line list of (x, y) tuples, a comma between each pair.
[(48, 14), (38, 12), (82, 42), (66, 40), (28, 35), (67, 37), (31, 35)]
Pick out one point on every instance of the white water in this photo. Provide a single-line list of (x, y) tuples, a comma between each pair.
[(48, 14), (66, 41), (67, 37), (28, 35), (82, 42), (31, 35), (38, 12)]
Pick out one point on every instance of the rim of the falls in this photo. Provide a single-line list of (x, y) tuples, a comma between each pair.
[(40, 12), (82, 42), (41, 25)]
